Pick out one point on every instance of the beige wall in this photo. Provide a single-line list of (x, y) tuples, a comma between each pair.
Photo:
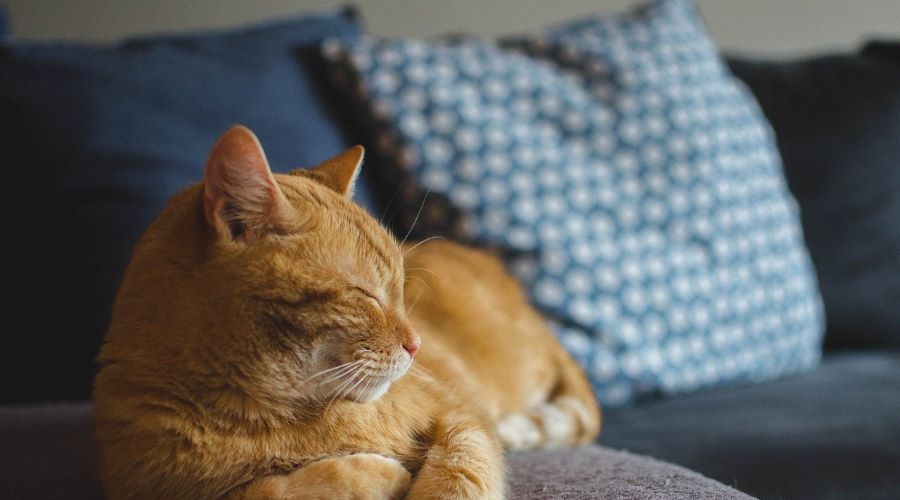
[(780, 27)]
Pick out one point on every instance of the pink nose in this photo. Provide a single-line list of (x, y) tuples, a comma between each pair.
[(412, 347)]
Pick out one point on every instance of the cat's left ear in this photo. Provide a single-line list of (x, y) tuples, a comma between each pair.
[(241, 198), (340, 173)]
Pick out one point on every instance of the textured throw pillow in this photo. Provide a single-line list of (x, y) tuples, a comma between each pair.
[(837, 120), (630, 182), (95, 140)]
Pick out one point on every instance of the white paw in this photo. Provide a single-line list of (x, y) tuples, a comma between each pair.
[(518, 432), (558, 425)]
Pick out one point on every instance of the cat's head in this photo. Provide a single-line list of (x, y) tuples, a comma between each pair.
[(304, 288)]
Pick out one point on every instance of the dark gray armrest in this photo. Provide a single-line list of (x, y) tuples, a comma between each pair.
[(597, 473)]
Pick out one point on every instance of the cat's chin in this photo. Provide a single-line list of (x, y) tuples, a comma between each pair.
[(372, 393)]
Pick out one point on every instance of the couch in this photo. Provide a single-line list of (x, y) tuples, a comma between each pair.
[(830, 433)]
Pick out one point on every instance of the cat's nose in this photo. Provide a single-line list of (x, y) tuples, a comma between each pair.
[(412, 346)]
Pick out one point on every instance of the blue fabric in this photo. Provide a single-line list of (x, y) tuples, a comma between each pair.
[(837, 119), (97, 139), (4, 23), (832, 434), (630, 181)]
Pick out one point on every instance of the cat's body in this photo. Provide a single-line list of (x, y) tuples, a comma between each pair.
[(262, 343)]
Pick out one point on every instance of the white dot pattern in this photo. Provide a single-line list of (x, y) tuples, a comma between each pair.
[(630, 181)]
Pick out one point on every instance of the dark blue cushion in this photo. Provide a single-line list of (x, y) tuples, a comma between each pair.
[(837, 119), (4, 26), (97, 139)]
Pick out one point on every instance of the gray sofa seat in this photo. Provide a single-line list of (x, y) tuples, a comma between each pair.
[(48, 453), (830, 434)]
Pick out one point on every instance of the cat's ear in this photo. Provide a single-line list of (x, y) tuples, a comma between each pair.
[(340, 173), (241, 199)]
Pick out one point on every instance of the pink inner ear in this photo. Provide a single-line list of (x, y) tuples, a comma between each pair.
[(238, 185)]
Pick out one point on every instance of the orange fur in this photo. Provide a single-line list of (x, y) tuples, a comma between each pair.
[(221, 375)]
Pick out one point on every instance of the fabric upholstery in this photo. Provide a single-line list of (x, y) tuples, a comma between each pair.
[(96, 139), (826, 435), (837, 119), (833, 434), (597, 473), (48, 453), (629, 180)]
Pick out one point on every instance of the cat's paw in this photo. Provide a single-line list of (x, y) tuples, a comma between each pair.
[(362, 476), (518, 432), (562, 422), (466, 465), (380, 477)]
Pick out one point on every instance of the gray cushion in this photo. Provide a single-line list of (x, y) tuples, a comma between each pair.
[(830, 434), (48, 453)]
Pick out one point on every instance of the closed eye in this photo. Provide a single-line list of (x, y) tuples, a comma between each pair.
[(370, 296)]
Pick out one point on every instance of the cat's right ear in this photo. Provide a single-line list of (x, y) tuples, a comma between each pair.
[(241, 198)]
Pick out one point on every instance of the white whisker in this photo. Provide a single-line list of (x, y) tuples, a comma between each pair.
[(390, 201), (423, 282), (420, 370), (412, 306), (424, 199), (368, 387), (426, 240), (329, 370), (337, 392), (429, 271), (341, 373), (354, 386)]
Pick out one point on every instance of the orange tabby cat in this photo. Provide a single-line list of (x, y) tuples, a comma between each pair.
[(262, 346)]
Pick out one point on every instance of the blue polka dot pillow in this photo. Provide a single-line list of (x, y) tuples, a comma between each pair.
[(631, 183)]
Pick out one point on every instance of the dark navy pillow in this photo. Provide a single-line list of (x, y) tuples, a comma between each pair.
[(95, 140), (4, 27), (628, 179), (837, 119)]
